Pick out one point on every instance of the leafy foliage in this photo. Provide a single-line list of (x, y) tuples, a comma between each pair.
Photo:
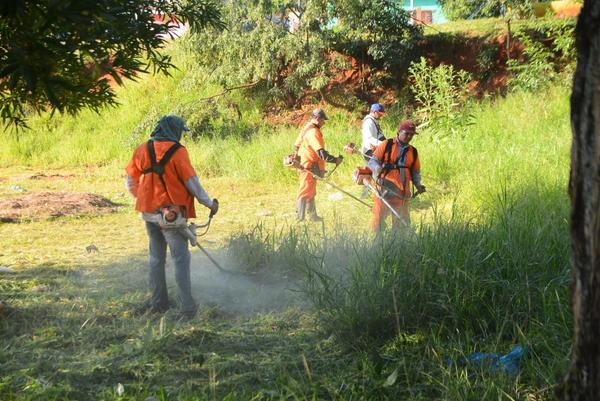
[(59, 55), (257, 47), (537, 71), (545, 50), (378, 28), (440, 93), (293, 47)]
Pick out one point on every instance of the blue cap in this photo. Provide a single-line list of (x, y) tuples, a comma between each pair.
[(377, 107), (319, 113)]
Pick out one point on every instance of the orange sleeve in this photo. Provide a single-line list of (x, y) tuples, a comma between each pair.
[(315, 140), (134, 168), (183, 165), (379, 151)]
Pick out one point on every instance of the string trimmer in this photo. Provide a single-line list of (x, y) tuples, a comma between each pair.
[(363, 176), (293, 161), (190, 231), (351, 149)]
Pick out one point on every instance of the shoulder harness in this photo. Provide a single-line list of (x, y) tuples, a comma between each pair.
[(158, 168), (388, 165), (380, 136)]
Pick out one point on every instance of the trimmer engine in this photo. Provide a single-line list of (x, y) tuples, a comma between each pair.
[(292, 161), (172, 216), (361, 175)]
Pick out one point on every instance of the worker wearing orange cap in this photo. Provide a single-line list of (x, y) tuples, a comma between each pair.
[(395, 163), (310, 147)]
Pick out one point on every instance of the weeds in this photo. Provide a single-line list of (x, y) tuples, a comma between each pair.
[(441, 94)]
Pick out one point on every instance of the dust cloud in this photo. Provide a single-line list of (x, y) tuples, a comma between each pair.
[(240, 293)]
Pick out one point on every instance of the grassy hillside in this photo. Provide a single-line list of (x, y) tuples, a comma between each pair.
[(518, 141)]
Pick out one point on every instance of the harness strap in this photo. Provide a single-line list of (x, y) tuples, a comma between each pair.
[(304, 131), (158, 168), (401, 158), (388, 165), (387, 158)]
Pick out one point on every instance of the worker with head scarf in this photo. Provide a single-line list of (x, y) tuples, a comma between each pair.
[(161, 178)]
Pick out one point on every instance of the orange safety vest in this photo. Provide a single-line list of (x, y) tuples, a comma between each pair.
[(397, 168), (310, 143), (151, 193)]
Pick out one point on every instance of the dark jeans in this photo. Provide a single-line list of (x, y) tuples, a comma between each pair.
[(180, 254)]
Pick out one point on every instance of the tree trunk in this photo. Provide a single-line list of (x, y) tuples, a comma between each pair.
[(582, 381)]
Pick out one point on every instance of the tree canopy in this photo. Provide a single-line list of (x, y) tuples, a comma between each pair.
[(296, 46), (59, 54)]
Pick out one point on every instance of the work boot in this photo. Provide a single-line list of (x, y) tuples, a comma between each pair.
[(311, 209), (300, 209)]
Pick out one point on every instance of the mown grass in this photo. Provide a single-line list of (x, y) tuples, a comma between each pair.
[(324, 312)]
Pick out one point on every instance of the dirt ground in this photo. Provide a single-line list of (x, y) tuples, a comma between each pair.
[(46, 205)]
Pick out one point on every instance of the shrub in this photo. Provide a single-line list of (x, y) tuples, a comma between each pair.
[(545, 50), (468, 9), (536, 71), (441, 94), (378, 29)]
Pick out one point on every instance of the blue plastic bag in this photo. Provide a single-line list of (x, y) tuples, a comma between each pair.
[(508, 364)]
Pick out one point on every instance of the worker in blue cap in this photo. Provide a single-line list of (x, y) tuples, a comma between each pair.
[(372, 135)]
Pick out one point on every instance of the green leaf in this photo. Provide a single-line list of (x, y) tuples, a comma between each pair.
[(391, 379)]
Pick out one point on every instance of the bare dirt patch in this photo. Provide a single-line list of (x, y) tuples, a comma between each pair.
[(48, 205)]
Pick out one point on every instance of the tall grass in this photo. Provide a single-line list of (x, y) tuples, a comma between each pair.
[(462, 283), (487, 274), (504, 141)]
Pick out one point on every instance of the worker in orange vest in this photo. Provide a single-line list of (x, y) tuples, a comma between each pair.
[(395, 164), (161, 178), (310, 147)]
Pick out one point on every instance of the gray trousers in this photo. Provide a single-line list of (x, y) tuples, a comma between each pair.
[(180, 254)]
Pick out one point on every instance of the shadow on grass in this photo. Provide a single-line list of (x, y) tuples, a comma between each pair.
[(390, 314)]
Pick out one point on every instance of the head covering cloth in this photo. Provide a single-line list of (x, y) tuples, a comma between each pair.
[(169, 128)]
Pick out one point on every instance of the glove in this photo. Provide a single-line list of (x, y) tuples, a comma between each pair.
[(215, 207), (338, 160)]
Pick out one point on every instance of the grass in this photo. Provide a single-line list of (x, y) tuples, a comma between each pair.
[(492, 26), (323, 312)]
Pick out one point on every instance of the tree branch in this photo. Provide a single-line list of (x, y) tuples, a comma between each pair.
[(227, 90)]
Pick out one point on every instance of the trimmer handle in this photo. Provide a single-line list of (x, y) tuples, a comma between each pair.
[(214, 209)]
